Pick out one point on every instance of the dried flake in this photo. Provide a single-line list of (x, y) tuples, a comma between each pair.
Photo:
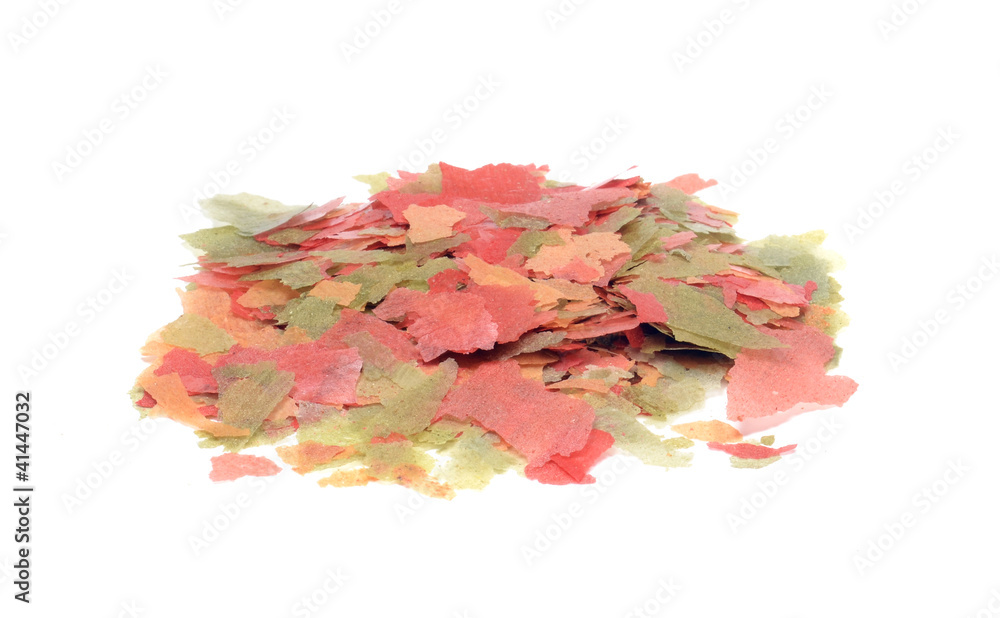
[(462, 324)]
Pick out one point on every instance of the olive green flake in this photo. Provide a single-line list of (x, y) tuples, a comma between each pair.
[(198, 333), (296, 275)]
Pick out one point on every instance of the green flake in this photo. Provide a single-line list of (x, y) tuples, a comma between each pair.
[(264, 259), (428, 182), (383, 460), (296, 275), (355, 256), (674, 265), (530, 241), (409, 398), (413, 408), (643, 237), (197, 333), (333, 428), (249, 214), (310, 313), (697, 317), (618, 219), (377, 281), (668, 398), (708, 373), (618, 417), (473, 459), (739, 462), (260, 437), (291, 236), (220, 243), (249, 393), (440, 433), (528, 343), (800, 259), (376, 182), (419, 252), (519, 220)]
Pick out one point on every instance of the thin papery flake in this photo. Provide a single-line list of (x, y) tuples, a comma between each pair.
[(231, 466), (462, 324), (765, 382), (535, 421)]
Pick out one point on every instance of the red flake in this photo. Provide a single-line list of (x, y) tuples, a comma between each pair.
[(195, 373), (765, 382), (512, 308), (697, 212), (396, 203), (647, 308), (456, 321), (677, 240), (576, 270), (635, 337), (765, 289), (571, 208), (603, 326), (231, 466), (576, 465), (490, 245), (745, 450), (322, 374), (691, 183), (585, 358), (551, 474), (447, 281), (211, 278), (538, 423), (352, 322), (503, 183), (146, 401)]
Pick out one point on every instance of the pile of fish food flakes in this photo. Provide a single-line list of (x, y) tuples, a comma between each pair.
[(463, 323)]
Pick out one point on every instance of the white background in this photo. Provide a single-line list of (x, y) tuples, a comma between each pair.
[(559, 84)]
